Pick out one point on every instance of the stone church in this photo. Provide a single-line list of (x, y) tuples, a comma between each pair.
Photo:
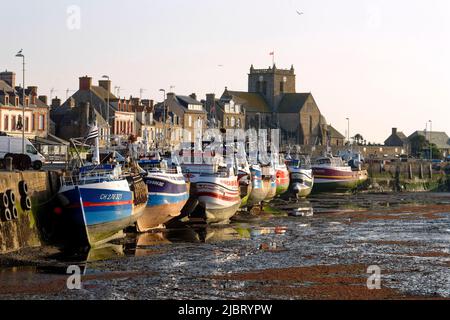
[(272, 102)]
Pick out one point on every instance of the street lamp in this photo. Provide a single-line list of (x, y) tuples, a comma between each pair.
[(107, 114), (348, 130), (20, 55), (431, 150), (164, 118)]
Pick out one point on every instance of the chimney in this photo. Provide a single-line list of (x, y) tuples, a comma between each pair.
[(33, 90), (193, 96), (56, 102), (210, 101), (85, 83), (394, 131), (105, 84), (9, 78), (43, 99)]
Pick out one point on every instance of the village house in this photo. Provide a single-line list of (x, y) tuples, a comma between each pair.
[(226, 113), (122, 117), (188, 114), (396, 139), (36, 123), (440, 139)]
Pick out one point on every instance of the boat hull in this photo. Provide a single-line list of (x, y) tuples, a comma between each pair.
[(168, 194), (245, 187), (259, 191), (271, 186), (301, 182), (94, 213), (332, 180), (218, 198), (282, 181)]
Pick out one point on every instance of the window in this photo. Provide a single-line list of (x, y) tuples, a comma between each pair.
[(41, 122), (233, 122), (190, 121), (33, 122), (227, 122), (31, 149), (13, 123), (27, 128), (310, 124), (6, 123), (239, 122), (16, 101), (6, 100), (281, 87)]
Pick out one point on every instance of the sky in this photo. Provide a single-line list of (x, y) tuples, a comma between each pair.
[(381, 63)]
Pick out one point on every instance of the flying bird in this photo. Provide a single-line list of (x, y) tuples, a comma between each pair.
[(299, 13)]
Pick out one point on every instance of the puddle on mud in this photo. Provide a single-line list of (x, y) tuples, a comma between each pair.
[(323, 230)]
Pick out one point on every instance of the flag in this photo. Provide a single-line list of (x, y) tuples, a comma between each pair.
[(272, 53), (93, 133)]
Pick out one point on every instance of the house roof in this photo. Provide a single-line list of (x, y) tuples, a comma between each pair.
[(440, 139), (334, 133), (293, 102), (253, 102), (5, 87), (103, 93), (188, 100)]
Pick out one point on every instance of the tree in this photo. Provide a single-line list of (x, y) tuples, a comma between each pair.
[(418, 144), (358, 139)]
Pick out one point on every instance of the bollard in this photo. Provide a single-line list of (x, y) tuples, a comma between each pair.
[(9, 164), (410, 172), (431, 171), (421, 171)]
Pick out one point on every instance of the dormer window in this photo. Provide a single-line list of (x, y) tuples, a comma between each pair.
[(195, 107), (16, 103), (27, 101), (6, 100)]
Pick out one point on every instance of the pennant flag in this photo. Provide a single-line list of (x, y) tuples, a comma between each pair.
[(272, 53)]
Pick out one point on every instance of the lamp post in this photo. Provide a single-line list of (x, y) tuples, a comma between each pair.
[(107, 114), (20, 55), (164, 118), (431, 150), (348, 130)]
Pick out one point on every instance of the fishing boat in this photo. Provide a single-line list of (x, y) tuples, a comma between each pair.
[(282, 176), (245, 185), (168, 192), (334, 174), (259, 191), (99, 201), (269, 181), (214, 187), (301, 177)]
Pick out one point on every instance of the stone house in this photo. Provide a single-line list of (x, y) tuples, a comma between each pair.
[(36, 122), (224, 113)]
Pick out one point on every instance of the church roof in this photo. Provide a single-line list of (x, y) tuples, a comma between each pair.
[(334, 133), (293, 102), (252, 102)]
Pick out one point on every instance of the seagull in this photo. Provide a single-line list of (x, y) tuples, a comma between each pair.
[(299, 13)]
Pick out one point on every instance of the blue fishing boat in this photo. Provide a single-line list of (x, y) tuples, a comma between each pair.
[(168, 193), (99, 201)]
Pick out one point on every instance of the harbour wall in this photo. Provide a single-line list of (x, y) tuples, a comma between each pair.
[(30, 227), (407, 176)]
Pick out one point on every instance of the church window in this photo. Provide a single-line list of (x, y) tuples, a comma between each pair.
[(282, 87)]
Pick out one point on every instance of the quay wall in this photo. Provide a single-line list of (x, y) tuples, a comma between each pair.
[(28, 229), (407, 176)]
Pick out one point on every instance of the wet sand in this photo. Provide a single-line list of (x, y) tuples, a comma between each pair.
[(269, 256)]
